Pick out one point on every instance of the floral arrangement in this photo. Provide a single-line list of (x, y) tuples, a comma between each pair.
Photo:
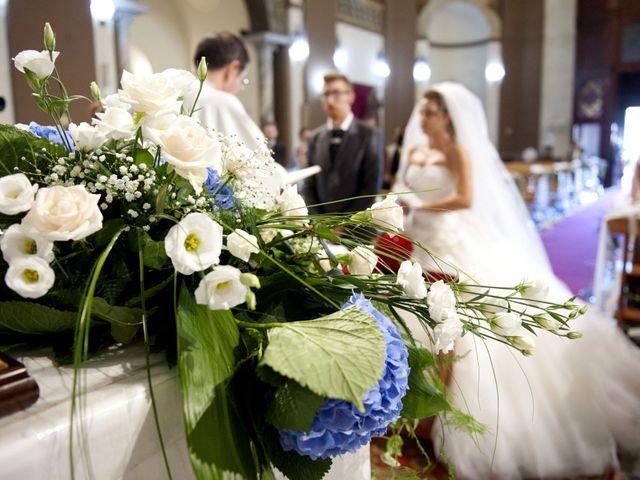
[(292, 345)]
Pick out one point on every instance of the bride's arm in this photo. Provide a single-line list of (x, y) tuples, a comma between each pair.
[(460, 167)]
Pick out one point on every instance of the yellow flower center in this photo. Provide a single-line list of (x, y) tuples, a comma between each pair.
[(191, 243), (30, 276), (223, 285), (30, 247)]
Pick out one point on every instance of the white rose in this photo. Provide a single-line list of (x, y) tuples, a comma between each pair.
[(525, 343), (547, 322), (448, 331), (29, 277), (114, 100), (18, 242), (64, 213), (115, 123), (506, 323), (363, 261), (291, 202), (155, 125), (410, 278), (194, 243), (182, 80), (387, 213), (536, 289), (440, 297), (16, 194), (86, 137), (150, 92), (221, 289), (40, 63), (187, 146), (242, 244)]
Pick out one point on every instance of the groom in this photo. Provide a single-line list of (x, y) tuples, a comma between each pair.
[(346, 150)]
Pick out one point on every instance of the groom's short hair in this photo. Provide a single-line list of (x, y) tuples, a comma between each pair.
[(220, 49), (336, 76)]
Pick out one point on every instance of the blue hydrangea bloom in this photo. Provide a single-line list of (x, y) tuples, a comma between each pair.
[(224, 197), (339, 427), (49, 132)]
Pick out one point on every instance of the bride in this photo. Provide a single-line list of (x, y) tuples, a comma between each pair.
[(567, 409)]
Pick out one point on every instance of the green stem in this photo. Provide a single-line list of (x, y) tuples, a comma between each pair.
[(147, 354), (258, 326), (195, 102)]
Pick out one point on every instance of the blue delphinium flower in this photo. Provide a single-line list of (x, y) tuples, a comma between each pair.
[(339, 427), (224, 196), (49, 132)]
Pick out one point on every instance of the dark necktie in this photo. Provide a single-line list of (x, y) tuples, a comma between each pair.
[(335, 142)]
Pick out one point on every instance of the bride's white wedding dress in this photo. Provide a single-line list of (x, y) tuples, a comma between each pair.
[(563, 411)]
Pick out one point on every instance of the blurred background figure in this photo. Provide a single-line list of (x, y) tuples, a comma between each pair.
[(299, 160), (218, 106), (346, 149), (270, 131)]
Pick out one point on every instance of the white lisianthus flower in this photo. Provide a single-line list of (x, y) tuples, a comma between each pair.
[(194, 243), (64, 213), (221, 289), (536, 289), (18, 242), (547, 322), (440, 297), (40, 63), (525, 343), (187, 146), (363, 260), (410, 278), (242, 244), (387, 213), (16, 194), (506, 323), (291, 202), (447, 331), (150, 93), (30, 277), (115, 123), (86, 137)]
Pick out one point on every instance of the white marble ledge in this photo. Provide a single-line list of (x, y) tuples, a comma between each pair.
[(119, 438)]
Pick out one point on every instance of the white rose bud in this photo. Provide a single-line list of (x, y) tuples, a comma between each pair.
[(96, 94), (194, 244), (242, 244), (18, 242), (64, 213), (221, 289), (16, 194), (40, 63), (525, 343), (86, 137), (202, 69), (547, 322), (363, 261), (536, 289), (440, 297), (448, 331), (387, 213), (49, 37), (506, 324), (30, 277), (410, 278)]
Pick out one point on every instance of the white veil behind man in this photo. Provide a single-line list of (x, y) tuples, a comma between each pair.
[(496, 199)]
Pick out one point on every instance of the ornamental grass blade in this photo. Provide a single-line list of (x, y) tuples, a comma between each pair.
[(219, 446), (337, 356)]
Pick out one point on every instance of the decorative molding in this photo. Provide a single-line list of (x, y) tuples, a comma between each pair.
[(366, 14)]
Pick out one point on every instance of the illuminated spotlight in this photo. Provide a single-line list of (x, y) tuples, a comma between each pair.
[(340, 57), (421, 70), (299, 48), (102, 10), (494, 72), (381, 67)]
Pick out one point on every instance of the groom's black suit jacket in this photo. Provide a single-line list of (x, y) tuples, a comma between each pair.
[(355, 170)]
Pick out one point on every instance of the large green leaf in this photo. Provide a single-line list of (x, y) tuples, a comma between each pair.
[(424, 398), (16, 143), (218, 442), (293, 407), (33, 318), (338, 356), (124, 321)]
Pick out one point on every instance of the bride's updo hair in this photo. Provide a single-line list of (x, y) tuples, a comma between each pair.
[(437, 98)]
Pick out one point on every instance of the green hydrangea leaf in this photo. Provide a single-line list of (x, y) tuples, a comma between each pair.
[(16, 143), (338, 356), (293, 407), (33, 319), (218, 443), (424, 398)]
